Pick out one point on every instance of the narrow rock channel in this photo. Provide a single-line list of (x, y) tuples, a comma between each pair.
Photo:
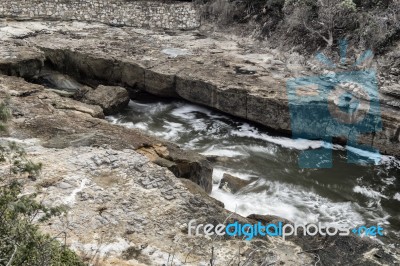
[(346, 194)]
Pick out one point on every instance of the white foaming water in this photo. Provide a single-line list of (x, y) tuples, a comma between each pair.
[(195, 127), (377, 158), (374, 156), (246, 130), (115, 120), (187, 111), (142, 126), (261, 149), (172, 131), (285, 200), (226, 151), (219, 172), (193, 143), (368, 192), (396, 196), (389, 181), (291, 202)]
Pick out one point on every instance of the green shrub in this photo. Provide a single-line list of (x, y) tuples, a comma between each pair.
[(5, 115), (21, 242)]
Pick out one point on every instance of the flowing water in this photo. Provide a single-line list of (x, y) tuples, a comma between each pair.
[(346, 194)]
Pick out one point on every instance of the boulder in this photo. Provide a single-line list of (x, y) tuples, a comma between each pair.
[(184, 164), (111, 98), (232, 183)]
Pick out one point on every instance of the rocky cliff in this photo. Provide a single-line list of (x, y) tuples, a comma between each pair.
[(231, 74), (121, 208)]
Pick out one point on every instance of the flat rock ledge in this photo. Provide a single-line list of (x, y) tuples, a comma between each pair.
[(234, 75)]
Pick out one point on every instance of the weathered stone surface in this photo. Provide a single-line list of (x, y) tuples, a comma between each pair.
[(135, 58), (184, 164), (63, 122), (97, 68), (232, 183), (160, 83), (197, 190), (20, 61), (119, 206), (69, 104), (111, 98), (153, 14)]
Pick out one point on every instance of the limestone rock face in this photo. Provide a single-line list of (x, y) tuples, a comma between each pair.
[(184, 164), (120, 204), (252, 86), (111, 98), (62, 122), (124, 210), (20, 61), (232, 183)]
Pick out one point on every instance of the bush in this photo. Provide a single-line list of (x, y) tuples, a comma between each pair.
[(5, 115), (312, 24), (21, 242)]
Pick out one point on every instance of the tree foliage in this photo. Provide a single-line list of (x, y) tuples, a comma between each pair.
[(312, 24), (21, 242)]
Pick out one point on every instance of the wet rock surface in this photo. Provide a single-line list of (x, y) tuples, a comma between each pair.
[(232, 183), (111, 98), (134, 58), (182, 163), (62, 122), (59, 81)]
